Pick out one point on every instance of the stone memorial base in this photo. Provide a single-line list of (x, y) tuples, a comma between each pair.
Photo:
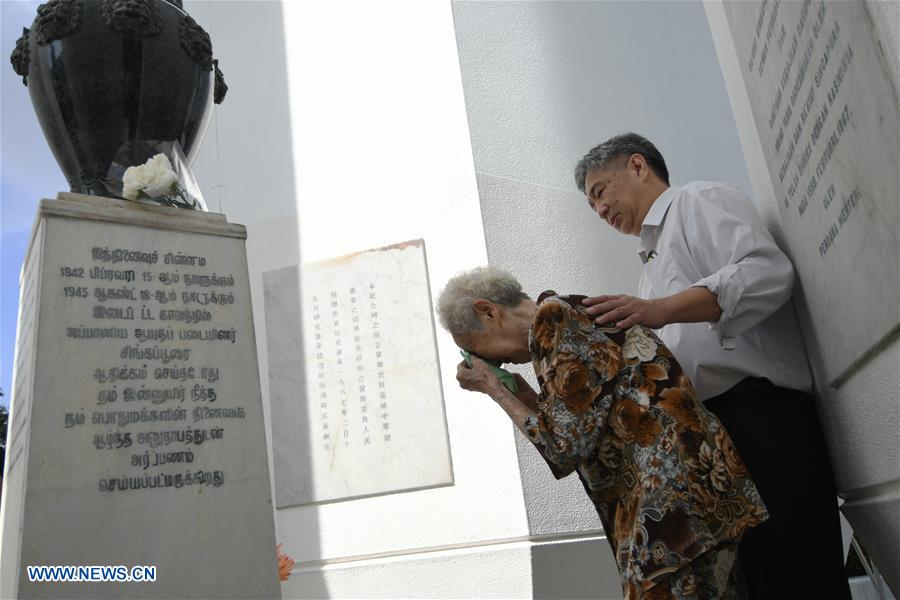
[(136, 435)]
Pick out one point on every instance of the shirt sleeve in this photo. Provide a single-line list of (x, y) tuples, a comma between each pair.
[(572, 363), (751, 277)]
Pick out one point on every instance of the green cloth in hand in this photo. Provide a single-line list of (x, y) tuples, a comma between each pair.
[(505, 377)]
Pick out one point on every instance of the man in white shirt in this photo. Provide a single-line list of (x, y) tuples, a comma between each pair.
[(717, 288)]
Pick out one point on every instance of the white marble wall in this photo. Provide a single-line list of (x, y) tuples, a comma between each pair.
[(355, 125), (861, 414)]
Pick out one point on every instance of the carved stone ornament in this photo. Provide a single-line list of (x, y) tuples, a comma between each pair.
[(57, 19), (196, 42), (20, 57), (221, 89), (132, 16)]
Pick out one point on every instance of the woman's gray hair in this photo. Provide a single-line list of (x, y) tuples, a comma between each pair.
[(619, 148), (454, 305)]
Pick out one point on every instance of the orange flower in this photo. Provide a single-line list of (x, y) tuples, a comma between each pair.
[(285, 564), (546, 322), (681, 403), (605, 358), (632, 423), (569, 377)]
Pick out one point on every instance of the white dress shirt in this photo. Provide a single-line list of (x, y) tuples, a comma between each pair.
[(710, 235)]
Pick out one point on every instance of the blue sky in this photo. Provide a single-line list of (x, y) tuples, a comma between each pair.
[(28, 172)]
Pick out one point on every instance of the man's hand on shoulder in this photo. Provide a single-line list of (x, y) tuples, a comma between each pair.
[(626, 311)]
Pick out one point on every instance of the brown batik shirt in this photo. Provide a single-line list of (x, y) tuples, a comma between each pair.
[(660, 469)]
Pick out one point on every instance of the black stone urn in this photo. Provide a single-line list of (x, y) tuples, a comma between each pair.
[(103, 73)]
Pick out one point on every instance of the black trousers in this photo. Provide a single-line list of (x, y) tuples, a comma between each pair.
[(797, 553)]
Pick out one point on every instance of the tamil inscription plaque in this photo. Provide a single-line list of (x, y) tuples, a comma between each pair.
[(137, 435), (827, 116), (357, 404)]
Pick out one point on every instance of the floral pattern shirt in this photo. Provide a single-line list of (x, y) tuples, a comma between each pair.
[(615, 406)]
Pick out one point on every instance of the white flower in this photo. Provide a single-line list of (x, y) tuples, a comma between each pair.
[(134, 180), (639, 345), (154, 178), (161, 177)]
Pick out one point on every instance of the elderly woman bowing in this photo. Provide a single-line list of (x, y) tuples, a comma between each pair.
[(672, 493)]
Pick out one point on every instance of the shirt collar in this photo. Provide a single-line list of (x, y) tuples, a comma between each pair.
[(653, 221)]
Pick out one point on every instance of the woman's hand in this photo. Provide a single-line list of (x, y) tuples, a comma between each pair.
[(477, 378)]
